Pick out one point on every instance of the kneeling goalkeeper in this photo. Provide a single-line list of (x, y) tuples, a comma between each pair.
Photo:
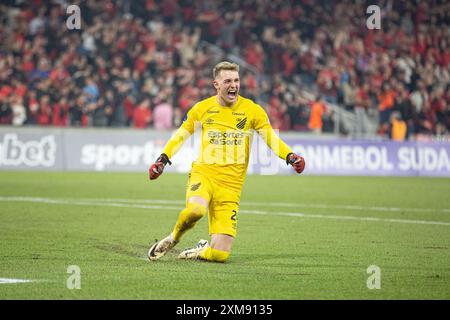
[(228, 121)]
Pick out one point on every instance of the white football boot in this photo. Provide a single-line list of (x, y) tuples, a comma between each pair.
[(193, 253), (160, 248)]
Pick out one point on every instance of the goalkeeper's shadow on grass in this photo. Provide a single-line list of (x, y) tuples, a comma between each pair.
[(124, 249), (269, 259), (140, 251)]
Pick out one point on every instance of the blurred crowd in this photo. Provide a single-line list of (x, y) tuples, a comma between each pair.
[(144, 63)]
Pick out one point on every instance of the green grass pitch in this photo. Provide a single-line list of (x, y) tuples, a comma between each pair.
[(299, 237)]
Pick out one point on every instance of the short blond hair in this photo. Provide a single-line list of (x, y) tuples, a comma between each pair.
[(224, 65)]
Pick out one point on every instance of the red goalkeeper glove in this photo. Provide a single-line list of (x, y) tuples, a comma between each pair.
[(298, 162), (157, 168)]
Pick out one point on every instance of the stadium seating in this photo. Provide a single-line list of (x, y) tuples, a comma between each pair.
[(130, 57)]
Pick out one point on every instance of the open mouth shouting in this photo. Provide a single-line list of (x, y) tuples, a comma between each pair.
[(232, 94)]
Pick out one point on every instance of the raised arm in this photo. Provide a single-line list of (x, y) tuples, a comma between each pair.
[(187, 128), (274, 142)]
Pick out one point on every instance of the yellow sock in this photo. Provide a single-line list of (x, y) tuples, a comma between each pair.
[(214, 255), (187, 219)]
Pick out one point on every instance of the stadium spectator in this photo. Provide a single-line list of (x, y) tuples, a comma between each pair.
[(142, 114), (76, 113), (44, 114), (18, 111), (385, 104), (5, 110), (397, 127), (362, 103), (426, 121), (315, 123), (446, 118), (162, 116), (91, 90), (60, 113), (33, 107), (407, 113)]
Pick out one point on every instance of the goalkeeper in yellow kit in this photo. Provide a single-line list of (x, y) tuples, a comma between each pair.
[(228, 122)]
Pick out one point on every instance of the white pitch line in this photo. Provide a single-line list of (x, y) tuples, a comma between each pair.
[(84, 203), (335, 217), (133, 200), (279, 204), (346, 207), (11, 280), (260, 212)]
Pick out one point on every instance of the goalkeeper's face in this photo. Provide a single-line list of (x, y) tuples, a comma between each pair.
[(227, 85)]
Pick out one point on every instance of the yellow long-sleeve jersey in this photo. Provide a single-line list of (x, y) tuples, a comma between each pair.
[(226, 138)]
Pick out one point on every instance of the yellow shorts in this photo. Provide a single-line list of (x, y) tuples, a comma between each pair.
[(223, 203)]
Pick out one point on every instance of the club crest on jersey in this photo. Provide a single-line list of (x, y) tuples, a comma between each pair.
[(195, 186), (241, 124)]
